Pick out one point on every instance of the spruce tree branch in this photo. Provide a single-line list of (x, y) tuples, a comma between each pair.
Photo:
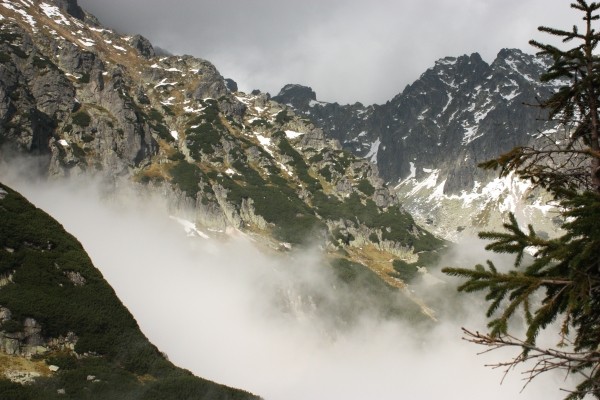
[(562, 282), (543, 359)]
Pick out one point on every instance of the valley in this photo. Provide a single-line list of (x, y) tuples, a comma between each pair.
[(282, 245)]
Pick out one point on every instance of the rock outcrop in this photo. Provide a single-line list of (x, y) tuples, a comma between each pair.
[(71, 7), (429, 140), (458, 113)]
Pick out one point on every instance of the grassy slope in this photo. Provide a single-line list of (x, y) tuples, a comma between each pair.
[(38, 252)]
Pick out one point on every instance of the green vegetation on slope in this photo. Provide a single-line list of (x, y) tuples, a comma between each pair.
[(396, 225), (40, 256)]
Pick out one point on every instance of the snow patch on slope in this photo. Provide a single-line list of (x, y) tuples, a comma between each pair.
[(486, 206), (374, 151), (54, 14), (28, 18), (190, 228), (293, 134)]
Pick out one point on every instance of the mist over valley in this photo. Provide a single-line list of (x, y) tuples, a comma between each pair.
[(233, 313), (168, 234)]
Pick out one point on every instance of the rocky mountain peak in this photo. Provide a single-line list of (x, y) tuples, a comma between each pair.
[(143, 46), (457, 63), (460, 112), (451, 106), (448, 74), (71, 7), (298, 96), (516, 65), (517, 54)]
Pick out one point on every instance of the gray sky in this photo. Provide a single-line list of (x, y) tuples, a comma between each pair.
[(346, 50)]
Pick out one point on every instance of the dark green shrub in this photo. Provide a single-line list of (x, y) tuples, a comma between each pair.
[(64, 361), (11, 326), (177, 156), (365, 186), (396, 225), (188, 178), (15, 391), (156, 116), (163, 132), (342, 236), (78, 152), (282, 117), (406, 272), (326, 173), (168, 110), (20, 53), (317, 158), (299, 165), (189, 387), (41, 63), (82, 119), (374, 238), (276, 202), (203, 139), (4, 58), (259, 122)]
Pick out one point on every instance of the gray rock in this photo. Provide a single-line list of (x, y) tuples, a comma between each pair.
[(231, 85), (76, 278), (211, 84), (10, 346), (5, 314), (429, 123), (71, 7), (297, 96), (143, 46)]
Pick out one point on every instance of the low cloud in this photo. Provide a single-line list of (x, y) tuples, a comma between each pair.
[(236, 314)]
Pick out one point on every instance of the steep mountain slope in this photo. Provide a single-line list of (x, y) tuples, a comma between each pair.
[(87, 100), (62, 328), (431, 137)]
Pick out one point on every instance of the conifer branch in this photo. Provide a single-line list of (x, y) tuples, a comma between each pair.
[(561, 281), (543, 359)]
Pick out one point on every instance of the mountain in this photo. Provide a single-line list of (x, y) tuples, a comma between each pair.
[(430, 138), (286, 172), (83, 100), (87, 100), (62, 328)]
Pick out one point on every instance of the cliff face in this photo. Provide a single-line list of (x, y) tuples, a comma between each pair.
[(460, 112), (64, 102), (430, 138)]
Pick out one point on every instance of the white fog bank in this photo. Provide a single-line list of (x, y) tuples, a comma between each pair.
[(214, 308)]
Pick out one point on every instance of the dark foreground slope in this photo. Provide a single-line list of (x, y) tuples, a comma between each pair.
[(63, 331)]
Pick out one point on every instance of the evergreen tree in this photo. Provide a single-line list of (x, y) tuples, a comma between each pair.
[(562, 282)]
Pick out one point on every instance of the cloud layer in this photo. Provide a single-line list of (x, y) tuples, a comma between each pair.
[(347, 50), (239, 316)]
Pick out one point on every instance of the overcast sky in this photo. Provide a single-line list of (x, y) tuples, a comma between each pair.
[(346, 50)]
